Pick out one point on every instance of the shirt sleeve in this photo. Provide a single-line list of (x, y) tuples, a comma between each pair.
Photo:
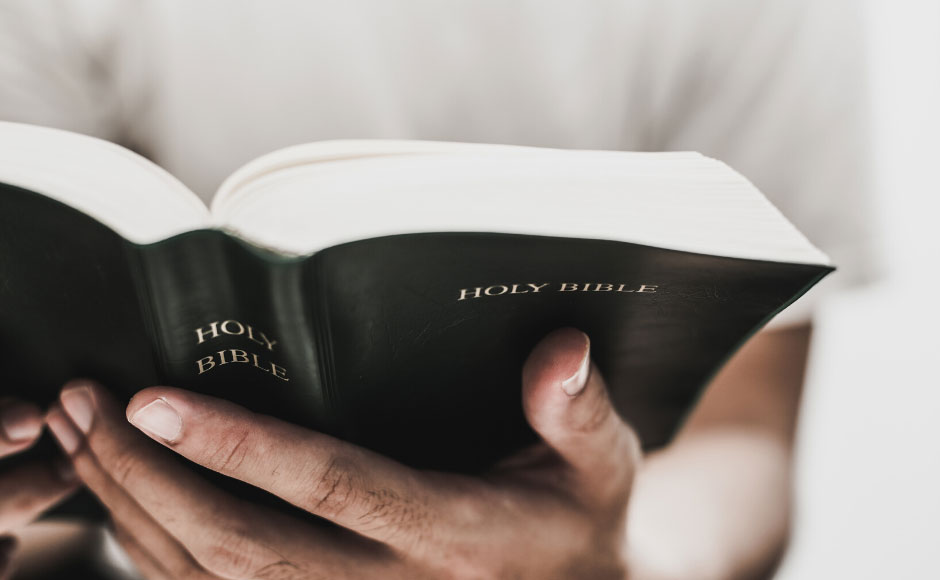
[(56, 65), (777, 90)]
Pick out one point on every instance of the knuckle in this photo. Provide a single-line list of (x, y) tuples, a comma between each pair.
[(340, 492), (596, 413), (334, 487), (228, 452), (124, 466)]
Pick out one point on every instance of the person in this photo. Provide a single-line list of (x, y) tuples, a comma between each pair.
[(775, 88)]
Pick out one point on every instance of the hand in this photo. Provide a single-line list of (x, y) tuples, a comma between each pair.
[(27, 490), (557, 510)]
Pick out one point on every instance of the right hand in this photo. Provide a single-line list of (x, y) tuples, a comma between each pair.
[(26, 490), (555, 510)]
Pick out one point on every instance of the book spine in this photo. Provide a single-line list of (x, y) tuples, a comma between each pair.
[(297, 306), (320, 318), (232, 321)]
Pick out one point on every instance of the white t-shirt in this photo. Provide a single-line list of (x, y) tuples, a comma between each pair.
[(774, 88)]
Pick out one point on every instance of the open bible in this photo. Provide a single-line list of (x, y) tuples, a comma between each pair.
[(386, 292)]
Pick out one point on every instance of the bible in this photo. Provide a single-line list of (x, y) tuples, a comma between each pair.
[(386, 292)]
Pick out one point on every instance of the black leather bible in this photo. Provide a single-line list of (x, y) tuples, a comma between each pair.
[(386, 292)]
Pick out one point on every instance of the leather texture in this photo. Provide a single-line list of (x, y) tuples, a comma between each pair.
[(376, 343)]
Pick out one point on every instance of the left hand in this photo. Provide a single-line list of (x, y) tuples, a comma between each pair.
[(557, 510), (27, 490)]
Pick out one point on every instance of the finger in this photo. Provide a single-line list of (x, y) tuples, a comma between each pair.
[(26, 491), (7, 548), (355, 488), (224, 535), (125, 511), (20, 426), (128, 514), (148, 565), (566, 402)]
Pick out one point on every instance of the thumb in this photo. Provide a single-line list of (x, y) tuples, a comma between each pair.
[(566, 402)]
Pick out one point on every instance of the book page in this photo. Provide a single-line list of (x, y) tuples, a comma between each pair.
[(116, 186), (311, 197)]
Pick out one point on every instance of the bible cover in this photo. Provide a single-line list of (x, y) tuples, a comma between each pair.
[(410, 345)]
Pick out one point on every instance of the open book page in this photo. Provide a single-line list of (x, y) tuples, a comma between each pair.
[(120, 188), (314, 196), (305, 198)]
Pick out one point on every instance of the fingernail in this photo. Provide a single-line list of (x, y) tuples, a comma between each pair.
[(65, 470), (574, 384), (79, 405), (63, 430), (160, 419), (20, 423)]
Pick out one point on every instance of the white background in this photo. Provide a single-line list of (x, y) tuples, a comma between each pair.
[(868, 481)]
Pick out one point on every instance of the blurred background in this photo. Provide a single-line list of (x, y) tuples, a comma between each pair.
[(868, 471)]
